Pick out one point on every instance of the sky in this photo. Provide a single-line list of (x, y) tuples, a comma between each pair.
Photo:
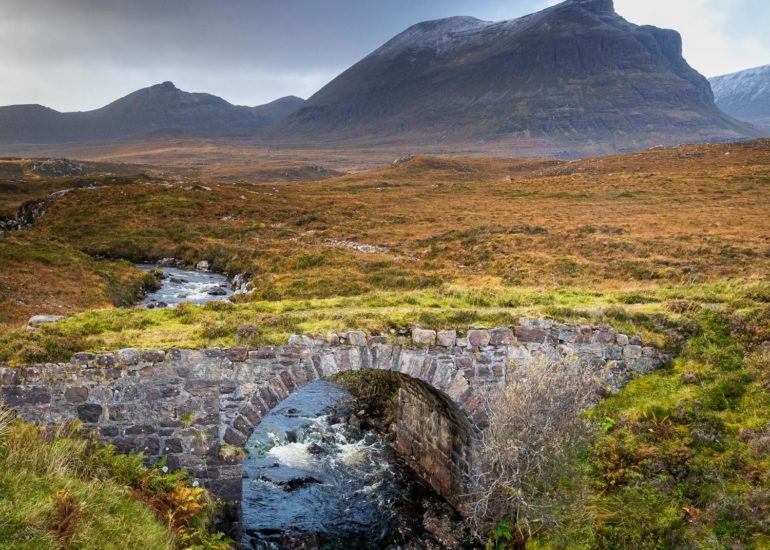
[(82, 54)]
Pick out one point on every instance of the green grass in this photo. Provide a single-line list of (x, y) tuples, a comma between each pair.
[(682, 464), (59, 489), (655, 314)]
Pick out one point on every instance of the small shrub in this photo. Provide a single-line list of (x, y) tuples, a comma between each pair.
[(67, 511), (247, 334), (535, 430)]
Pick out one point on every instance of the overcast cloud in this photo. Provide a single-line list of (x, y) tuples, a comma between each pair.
[(82, 54)]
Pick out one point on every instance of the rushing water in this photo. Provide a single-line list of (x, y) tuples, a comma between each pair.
[(315, 480), (180, 285)]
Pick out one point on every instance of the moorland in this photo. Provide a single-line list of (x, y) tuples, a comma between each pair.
[(669, 243)]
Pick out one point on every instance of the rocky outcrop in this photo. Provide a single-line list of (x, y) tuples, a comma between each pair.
[(29, 212), (56, 168), (576, 76)]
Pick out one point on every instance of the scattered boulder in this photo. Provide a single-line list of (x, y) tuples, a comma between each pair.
[(202, 266), (690, 378), (36, 321), (315, 449)]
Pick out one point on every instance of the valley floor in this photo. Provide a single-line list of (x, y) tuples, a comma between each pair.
[(672, 244)]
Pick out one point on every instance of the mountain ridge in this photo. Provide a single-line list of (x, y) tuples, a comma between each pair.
[(745, 95), (161, 108)]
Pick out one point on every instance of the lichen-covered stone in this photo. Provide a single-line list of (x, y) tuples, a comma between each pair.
[(423, 337), (446, 338), (501, 337), (356, 338)]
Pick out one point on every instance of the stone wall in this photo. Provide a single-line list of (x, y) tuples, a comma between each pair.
[(187, 404), (435, 440)]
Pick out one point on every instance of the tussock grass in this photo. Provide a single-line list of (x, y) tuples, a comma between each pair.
[(59, 489)]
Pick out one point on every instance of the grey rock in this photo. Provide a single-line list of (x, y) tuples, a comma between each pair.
[(446, 338), (37, 320), (423, 337)]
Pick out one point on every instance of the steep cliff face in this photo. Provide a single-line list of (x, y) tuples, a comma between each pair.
[(574, 72), (159, 108), (745, 95)]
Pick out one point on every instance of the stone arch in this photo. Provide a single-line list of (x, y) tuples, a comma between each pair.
[(439, 396)]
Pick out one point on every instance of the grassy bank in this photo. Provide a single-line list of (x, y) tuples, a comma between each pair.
[(59, 489), (683, 456), (658, 314)]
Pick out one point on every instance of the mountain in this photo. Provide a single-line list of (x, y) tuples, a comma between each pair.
[(574, 75), (280, 108), (745, 95), (162, 108)]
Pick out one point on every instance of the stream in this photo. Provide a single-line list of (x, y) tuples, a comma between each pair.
[(182, 285), (316, 479)]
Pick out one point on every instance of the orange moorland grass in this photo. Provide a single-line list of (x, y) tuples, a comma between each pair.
[(692, 214)]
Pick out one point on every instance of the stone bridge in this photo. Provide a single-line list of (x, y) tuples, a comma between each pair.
[(190, 405)]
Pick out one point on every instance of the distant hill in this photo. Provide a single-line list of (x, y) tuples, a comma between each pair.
[(162, 108), (575, 75), (745, 95)]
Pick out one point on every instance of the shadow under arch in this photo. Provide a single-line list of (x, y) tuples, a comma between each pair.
[(435, 432)]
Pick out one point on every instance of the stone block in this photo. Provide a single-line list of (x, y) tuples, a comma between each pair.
[(584, 334), (173, 445), (90, 413), (19, 396), (234, 437), (613, 352), (128, 356), (621, 340), (76, 394), (237, 355), (106, 360), (423, 337), (300, 340), (530, 334), (446, 338), (604, 336), (632, 352), (478, 338), (356, 338), (153, 355), (202, 388), (82, 358), (243, 425), (501, 337)]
